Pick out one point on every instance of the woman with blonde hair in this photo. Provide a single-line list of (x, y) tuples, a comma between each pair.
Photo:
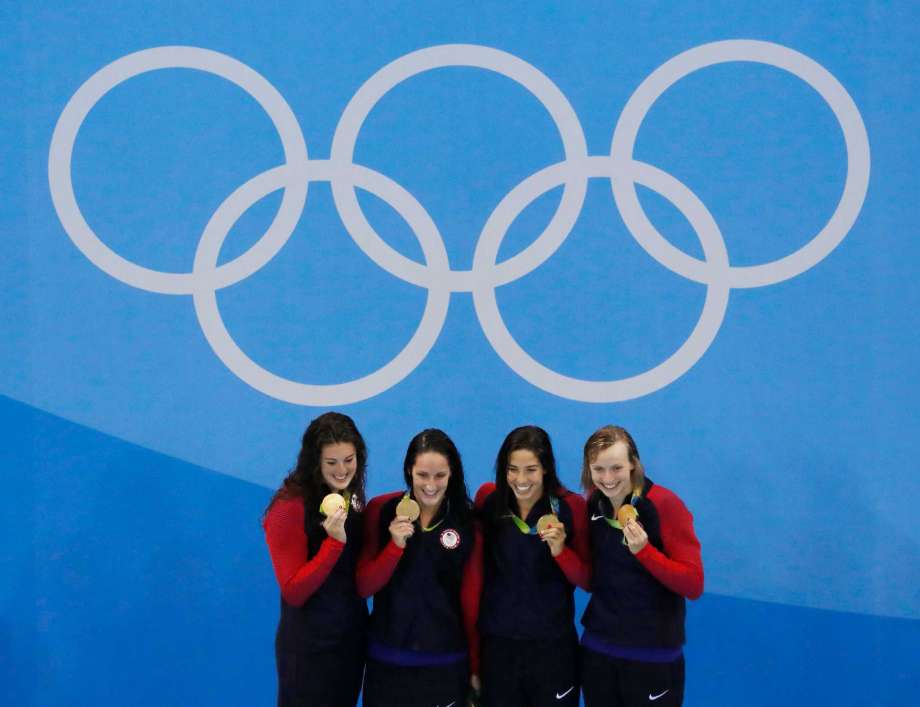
[(646, 562)]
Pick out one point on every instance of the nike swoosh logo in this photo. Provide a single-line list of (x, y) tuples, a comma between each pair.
[(652, 698), (597, 517), (559, 697)]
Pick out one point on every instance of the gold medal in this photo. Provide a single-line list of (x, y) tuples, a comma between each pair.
[(548, 521), (331, 503), (627, 513), (408, 508)]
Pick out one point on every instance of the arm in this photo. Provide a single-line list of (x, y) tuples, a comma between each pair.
[(375, 565), (298, 576), (470, 593), (575, 558), (680, 566)]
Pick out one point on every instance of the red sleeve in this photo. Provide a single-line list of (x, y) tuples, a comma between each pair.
[(680, 566), (298, 575), (375, 565), (470, 593), (575, 558)]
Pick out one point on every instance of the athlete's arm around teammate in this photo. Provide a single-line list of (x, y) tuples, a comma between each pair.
[(421, 561), (313, 530), (535, 553), (646, 562)]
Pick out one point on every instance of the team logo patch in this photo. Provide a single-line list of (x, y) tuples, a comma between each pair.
[(450, 539)]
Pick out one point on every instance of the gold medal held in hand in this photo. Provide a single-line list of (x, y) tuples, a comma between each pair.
[(408, 508), (548, 521), (331, 503), (627, 513)]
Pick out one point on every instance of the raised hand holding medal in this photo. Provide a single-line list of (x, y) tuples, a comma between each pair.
[(634, 534), (552, 531), (408, 508), (335, 507), (402, 526)]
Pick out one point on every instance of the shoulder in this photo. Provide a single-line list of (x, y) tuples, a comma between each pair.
[(286, 510), (484, 494), (593, 503), (665, 500), (575, 501), (376, 504)]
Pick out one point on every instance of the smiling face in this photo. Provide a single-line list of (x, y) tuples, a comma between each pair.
[(611, 472), (430, 476), (525, 476), (338, 463)]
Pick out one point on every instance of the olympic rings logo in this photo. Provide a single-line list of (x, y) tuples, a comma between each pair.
[(436, 275)]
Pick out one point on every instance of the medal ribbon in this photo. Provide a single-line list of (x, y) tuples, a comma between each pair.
[(526, 529), (430, 527)]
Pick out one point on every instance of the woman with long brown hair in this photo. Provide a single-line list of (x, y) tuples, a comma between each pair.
[(313, 527)]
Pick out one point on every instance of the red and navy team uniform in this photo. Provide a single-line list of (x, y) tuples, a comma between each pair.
[(320, 642), (634, 622), (422, 642), (528, 641)]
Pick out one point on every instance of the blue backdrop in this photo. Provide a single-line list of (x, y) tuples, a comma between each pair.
[(697, 221)]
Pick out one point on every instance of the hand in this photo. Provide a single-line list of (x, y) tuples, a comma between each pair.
[(636, 537), (401, 529), (476, 684), (335, 524), (555, 538)]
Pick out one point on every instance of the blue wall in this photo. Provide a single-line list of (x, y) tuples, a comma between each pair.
[(143, 450)]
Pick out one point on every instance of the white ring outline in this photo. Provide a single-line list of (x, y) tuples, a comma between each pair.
[(273, 385), (664, 373), (60, 179), (439, 57), (573, 173), (778, 56)]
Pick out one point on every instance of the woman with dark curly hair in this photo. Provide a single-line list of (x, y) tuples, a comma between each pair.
[(421, 562), (646, 561), (535, 553), (313, 527)]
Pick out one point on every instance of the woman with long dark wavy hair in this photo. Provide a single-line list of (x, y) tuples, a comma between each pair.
[(535, 553), (421, 562), (320, 643)]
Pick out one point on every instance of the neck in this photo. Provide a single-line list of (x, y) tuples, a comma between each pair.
[(524, 507), (427, 515), (617, 502)]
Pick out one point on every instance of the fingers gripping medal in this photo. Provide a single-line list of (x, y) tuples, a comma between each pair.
[(550, 520), (331, 503), (627, 513), (408, 508)]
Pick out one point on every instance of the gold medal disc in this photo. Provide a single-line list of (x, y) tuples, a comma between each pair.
[(408, 508), (331, 503), (626, 513), (548, 521)]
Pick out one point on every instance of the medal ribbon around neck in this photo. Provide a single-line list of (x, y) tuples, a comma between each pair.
[(614, 523), (522, 525), (430, 527)]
